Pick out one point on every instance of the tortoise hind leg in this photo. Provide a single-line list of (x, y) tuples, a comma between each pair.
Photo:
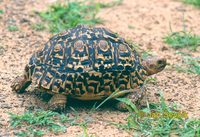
[(20, 84), (135, 96), (57, 102)]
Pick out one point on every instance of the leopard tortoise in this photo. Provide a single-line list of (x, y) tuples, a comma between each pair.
[(87, 64)]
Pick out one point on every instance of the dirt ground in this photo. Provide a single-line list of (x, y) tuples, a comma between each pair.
[(145, 22)]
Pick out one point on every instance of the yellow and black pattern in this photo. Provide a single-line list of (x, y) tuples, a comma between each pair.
[(86, 63)]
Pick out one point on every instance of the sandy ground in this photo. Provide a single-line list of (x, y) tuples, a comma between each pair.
[(145, 22)]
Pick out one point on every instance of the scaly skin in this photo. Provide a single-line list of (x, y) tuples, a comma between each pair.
[(57, 103), (20, 84)]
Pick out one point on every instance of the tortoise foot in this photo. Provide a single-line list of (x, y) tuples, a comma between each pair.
[(57, 103), (20, 84), (134, 97)]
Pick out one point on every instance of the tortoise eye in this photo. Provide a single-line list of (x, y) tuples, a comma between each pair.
[(103, 45), (79, 46), (159, 62)]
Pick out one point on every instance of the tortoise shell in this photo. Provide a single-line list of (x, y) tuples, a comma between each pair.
[(86, 63)]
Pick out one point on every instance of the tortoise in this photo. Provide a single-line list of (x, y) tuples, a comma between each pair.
[(87, 63)]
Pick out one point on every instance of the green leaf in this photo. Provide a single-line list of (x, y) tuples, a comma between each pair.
[(12, 28), (1, 11), (129, 103), (64, 16)]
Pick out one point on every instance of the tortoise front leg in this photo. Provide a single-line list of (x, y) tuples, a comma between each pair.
[(20, 83), (135, 96), (57, 102)]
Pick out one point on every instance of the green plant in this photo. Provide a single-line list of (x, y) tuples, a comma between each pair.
[(64, 16), (183, 39), (159, 119), (1, 11), (115, 94), (12, 28), (111, 4), (83, 125), (150, 80), (194, 2), (193, 65), (30, 132), (38, 123), (190, 65), (38, 26)]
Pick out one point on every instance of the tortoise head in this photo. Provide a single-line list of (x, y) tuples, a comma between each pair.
[(154, 64)]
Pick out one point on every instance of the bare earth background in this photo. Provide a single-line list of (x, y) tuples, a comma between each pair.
[(145, 22)]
